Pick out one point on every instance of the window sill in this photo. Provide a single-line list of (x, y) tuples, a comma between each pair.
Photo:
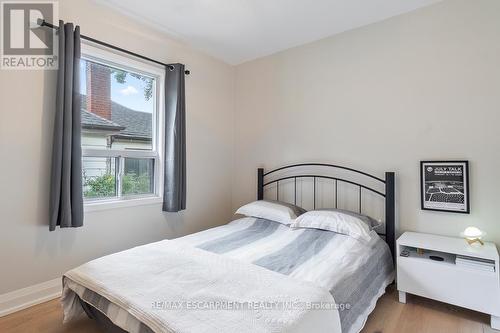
[(94, 206)]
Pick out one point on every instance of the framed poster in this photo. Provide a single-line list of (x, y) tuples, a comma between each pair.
[(444, 186)]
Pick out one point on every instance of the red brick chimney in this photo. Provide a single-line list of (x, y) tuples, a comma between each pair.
[(99, 90)]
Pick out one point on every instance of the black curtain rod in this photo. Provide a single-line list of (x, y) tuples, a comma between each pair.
[(43, 23)]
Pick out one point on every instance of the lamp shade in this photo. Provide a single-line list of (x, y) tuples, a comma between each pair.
[(472, 232)]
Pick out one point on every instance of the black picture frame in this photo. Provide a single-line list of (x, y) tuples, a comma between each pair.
[(444, 186)]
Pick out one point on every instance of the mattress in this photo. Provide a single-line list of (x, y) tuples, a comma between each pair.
[(355, 273)]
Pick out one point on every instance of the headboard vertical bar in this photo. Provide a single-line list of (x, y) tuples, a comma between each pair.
[(360, 199), (260, 184), (390, 212), (336, 196), (278, 190), (295, 190), (314, 192)]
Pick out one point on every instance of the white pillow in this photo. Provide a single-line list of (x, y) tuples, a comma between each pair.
[(335, 221), (272, 210)]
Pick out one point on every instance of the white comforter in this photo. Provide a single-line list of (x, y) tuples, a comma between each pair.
[(173, 287)]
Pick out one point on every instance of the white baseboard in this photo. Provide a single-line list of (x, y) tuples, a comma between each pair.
[(24, 298)]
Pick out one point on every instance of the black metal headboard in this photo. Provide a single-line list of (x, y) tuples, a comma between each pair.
[(388, 195)]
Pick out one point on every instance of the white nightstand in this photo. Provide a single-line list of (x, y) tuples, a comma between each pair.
[(468, 286)]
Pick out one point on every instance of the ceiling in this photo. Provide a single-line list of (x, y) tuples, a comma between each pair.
[(236, 31)]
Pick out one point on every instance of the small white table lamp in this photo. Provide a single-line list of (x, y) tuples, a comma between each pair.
[(473, 235)]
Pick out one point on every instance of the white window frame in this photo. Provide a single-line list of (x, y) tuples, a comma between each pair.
[(96, 53)]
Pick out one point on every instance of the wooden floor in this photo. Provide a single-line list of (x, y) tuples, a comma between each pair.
[(419, 315)]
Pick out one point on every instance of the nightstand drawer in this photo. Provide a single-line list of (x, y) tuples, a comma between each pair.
[(470, 288)]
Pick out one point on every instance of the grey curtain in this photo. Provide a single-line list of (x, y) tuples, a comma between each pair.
[(174, 193), (66, 198)]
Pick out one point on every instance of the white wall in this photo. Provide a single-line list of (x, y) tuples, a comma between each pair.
[(29, 253), (425, 85)]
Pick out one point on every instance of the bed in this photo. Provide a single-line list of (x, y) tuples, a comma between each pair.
[(250, 275)]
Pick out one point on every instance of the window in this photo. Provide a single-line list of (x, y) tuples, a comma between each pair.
[(120, 127)]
